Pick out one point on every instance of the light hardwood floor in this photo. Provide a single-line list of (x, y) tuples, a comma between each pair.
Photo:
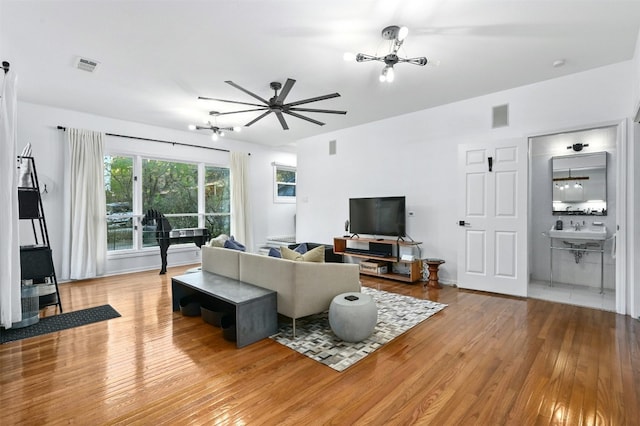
[(484, 360)]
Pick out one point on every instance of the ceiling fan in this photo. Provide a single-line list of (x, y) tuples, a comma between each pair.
[(277, 105), (217, 131)]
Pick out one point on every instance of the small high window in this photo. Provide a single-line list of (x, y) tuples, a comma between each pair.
[(284, 189)]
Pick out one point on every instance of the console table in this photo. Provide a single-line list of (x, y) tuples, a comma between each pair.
[(391, 256), (255, 308)]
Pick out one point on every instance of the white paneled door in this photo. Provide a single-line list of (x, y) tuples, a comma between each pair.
[(492, 208)]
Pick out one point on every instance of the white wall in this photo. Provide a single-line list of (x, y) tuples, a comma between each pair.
[(38, 124), (416, 154)]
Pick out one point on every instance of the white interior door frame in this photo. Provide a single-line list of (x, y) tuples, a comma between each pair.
[(625, 241), (624, 228)]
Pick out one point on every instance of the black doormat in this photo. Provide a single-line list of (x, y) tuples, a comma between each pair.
[(59, 322)]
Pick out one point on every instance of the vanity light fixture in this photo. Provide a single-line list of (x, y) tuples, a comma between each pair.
[(577, 147)]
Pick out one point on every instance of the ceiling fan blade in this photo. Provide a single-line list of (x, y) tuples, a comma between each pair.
[(259, 117), (204, 127), (422, 61), (225, 100), (327, 111), (283, 123), (285, 91), (246, 91), (236, 112), (316, 99), (319, 123)]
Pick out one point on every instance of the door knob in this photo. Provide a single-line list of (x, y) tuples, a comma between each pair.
[(463, 223)]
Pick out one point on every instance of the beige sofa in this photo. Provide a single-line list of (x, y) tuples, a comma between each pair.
[(304, 288)]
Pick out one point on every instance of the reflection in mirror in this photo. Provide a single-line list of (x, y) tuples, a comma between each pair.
[(580, 184)]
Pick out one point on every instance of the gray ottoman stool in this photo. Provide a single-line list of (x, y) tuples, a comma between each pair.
[(353, 316)]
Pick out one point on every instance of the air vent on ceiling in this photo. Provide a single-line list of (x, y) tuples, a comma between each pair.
[(85, 64)]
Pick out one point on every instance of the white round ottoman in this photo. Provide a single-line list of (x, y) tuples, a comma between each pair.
[(353, 316)]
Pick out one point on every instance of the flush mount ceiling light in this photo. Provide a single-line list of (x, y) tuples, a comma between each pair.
[(217, 131), (396, 35)]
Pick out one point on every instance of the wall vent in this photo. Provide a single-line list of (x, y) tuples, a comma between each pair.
[(85, 64), (500, 116), (332, 147)]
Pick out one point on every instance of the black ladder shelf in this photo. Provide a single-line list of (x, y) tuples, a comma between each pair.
[(36, 262)]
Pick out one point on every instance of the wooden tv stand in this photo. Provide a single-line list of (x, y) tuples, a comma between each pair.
[(341, 246)]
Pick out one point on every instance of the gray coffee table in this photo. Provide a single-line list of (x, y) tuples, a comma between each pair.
[(353, 316), (256, 310)]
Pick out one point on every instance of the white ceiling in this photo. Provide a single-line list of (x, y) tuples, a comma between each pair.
[(157, 57)]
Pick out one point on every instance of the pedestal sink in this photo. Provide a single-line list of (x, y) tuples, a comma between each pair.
[(586, 237), (585, 233)]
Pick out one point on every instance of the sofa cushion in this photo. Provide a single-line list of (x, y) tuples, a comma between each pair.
[(273, 274), (315, 255), (221, 261)]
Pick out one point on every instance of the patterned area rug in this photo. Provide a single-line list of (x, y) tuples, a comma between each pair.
[(314, 338), (59, 322)]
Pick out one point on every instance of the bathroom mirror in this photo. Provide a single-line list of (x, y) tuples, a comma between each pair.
[(580, 184)]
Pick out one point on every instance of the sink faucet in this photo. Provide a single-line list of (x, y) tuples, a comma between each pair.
[(576, 226), (568, 208)]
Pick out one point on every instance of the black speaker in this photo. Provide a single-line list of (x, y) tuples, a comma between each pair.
[(36, 263), (28, 204), (382, 248)]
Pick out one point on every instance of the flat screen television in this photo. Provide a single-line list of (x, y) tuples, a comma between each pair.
[(378, 216)]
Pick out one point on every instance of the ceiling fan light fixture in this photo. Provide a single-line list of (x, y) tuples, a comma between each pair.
[(237, 128), (277, 105), (192, 126), (214, 136)]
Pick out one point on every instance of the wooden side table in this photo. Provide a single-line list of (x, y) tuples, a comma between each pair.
[(433, 265)]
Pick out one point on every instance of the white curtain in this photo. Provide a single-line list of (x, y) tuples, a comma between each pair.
[(85, 211), (240, 217), (10, 299)]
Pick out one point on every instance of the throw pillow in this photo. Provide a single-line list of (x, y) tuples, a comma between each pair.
[(237, 243), (274, 252), (301, 248), (234, 245), (218, 241), (315, 255)]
